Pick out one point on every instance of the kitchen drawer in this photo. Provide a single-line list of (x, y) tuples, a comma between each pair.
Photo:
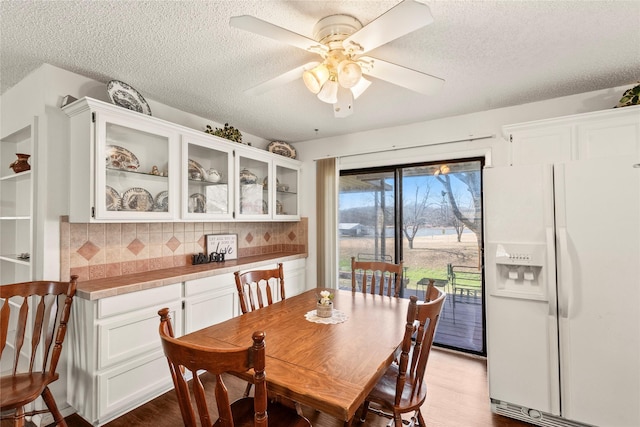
[(132, 335), (208, 284), (136, 300)]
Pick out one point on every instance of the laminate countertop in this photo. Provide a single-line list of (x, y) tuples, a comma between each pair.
[(112, 286)]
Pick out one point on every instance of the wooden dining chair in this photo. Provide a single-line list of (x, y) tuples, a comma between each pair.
[(35, 312), (402, 389), (254, 291), (376, 277), (254, 288), (187, 359)]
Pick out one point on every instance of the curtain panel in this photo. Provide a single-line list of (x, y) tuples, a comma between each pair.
[(327, 221)]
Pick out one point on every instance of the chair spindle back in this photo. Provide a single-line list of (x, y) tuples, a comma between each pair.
[(376, 277), (254, 287)]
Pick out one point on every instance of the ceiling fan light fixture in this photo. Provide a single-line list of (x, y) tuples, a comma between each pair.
[(315, 78), (344, 106), (349, 73), (360, 87), (341, 40), (329, 92)]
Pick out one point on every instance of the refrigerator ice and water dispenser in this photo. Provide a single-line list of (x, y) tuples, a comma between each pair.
[(519, 270)]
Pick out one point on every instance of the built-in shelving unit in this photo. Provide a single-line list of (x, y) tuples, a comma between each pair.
[(17, 207)]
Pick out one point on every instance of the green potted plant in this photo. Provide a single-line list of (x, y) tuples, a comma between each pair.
[(630, 97), (228, 132)]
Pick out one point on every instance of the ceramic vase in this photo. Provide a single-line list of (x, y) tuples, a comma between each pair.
[(21, 164), (324, 310)]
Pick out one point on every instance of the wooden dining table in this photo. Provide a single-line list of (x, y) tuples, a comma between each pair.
[(329, 367)]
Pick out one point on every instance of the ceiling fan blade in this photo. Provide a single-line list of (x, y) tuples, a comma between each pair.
[(267, 29), (401, 76), (280, 80), (403, 18)]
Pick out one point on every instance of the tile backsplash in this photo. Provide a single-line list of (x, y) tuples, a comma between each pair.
[(95, 251)]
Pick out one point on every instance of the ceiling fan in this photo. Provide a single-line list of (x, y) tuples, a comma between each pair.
[(342, 41)]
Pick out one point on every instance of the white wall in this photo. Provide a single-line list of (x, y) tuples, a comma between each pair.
[(430, 141)]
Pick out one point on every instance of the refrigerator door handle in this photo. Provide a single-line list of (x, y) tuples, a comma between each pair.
[(566, 274), (551, 273)]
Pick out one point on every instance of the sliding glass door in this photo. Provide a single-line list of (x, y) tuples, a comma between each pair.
[(429, 216), (366, 219)]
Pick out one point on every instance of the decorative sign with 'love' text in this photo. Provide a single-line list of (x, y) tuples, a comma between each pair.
[(226, 244)]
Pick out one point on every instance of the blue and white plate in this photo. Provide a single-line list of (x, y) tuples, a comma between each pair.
[(137, 199), (162, 202), (282, 148), (113, 199), (125, 96)]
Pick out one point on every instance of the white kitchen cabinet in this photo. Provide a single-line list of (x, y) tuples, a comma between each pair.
[(121, 164), (207, 178), (599, 134), (17, 207), (131, 384), (209, 300), (268, 186), (615, 134), (117, 362), (214, 299), (255, 176), (540, 145), (131, 167), (285, 197), (295, 277)]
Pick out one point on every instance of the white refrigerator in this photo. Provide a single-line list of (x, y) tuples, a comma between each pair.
[(562, 259)]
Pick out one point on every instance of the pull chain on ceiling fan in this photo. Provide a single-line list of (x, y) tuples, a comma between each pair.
[(341, 41)]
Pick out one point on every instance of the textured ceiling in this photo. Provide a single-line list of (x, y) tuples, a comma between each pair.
[(184, 53)]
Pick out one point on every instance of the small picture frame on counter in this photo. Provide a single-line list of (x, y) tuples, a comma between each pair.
[(226, 244)]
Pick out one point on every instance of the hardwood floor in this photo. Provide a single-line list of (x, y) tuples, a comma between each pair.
[(458, 397)]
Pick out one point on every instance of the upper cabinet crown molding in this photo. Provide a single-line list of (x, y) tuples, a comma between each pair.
[(131, 167)]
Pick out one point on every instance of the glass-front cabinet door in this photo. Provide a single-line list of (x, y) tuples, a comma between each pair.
[(132, 182), (207, 181), (286, 194), (254, 179)]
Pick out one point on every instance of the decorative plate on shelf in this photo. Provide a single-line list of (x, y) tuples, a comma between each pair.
[(197, 203), (196, 171), (125, 96), (282, 148), (121, 158), (137, 199), (162, 201), (114, 199)]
